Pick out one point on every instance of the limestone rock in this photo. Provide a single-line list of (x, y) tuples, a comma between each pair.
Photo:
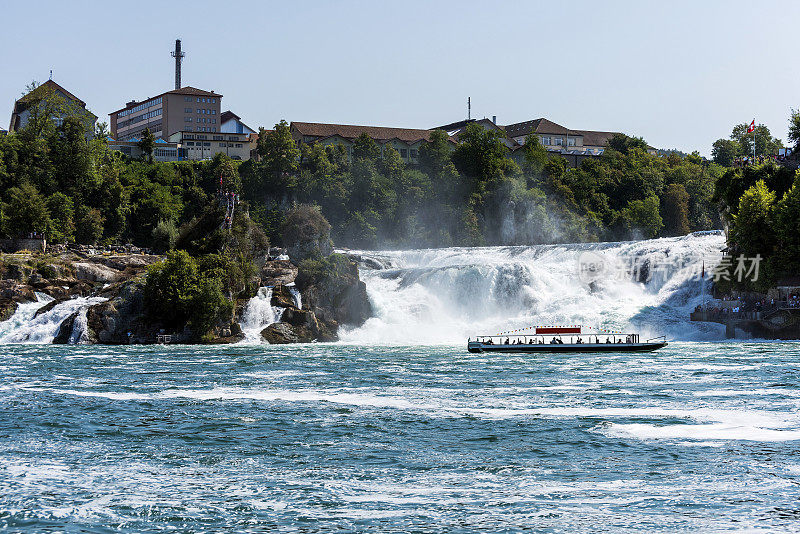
[(65, 329), (279, 334)]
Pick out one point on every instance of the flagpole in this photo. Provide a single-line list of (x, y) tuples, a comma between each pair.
[(754, 141)]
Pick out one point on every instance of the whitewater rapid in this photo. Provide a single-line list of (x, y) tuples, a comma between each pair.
[(443, 296)]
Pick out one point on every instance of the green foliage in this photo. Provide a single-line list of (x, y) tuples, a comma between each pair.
[(62, 218), (179, 291), (675, 210), (89, 225), (147, 144), (165, 235), (766, 145), (725, 151), (364, 148), (279, 153), (794, 128), (752, 230), (25, 212)]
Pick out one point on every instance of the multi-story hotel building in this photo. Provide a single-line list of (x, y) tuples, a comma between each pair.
[(186, 109)]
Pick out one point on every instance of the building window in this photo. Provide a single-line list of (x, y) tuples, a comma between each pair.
[(215, 128), (414, 153), (206, 144), (222, 144), (187, 98), (187, 110), (213, 111), (238, 145), (189, 143), (187, 119), (558, 141), (403, 153), (546, 141), (570, 141)]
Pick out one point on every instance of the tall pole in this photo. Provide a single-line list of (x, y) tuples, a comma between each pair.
[(469, 108), (178, 55), (754, 141)]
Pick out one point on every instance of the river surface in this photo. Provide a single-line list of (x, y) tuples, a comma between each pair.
[(700, 436)]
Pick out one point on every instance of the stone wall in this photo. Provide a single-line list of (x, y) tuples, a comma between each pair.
[(32, 244)]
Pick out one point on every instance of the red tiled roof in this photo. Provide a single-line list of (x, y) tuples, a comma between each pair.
[(349, 131)]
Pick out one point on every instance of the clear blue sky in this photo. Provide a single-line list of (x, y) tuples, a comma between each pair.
[(680, 74)]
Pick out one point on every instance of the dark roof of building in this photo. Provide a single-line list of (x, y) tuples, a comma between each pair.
[(227, 115), (188, 90), (56, 87), (593, 138), (349, 131), (540, 126)]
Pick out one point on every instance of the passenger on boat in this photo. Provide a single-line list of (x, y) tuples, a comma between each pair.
[(507, 341), (608, 340), (579, 342)]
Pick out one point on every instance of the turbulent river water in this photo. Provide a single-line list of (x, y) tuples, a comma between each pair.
[(399, 429)]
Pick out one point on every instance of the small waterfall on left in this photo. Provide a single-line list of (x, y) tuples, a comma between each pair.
[(258, 314), (27, 327)]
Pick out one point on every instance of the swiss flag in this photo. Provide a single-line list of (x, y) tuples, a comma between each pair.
[(752, 127)]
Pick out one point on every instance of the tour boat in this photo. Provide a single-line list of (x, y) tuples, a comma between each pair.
[(564, 339)]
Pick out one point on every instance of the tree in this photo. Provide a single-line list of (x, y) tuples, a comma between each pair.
[(766, 145), (26, 212), (675, 210), (165, 235), (147, 144), (725, 151), (481, 154), (624, 144), (278, 150), (752, 230), (177, 292), (535, 156), (72, 159), (365, 148), (644, 215), (62, 218), (434, 156), (794, 128), (89, 225), (787, 229)]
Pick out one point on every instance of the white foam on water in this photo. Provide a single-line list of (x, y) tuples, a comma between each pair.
[(23, 327), (704, 432), (444, 296), (259, 314)]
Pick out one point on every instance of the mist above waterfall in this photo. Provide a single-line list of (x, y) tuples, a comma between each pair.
[(447, 295)]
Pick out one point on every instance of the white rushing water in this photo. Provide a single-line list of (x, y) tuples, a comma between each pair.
[(446, 295), (258, 314), (23, 327)]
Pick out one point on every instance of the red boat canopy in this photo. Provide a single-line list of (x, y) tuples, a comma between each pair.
[(558, 330)]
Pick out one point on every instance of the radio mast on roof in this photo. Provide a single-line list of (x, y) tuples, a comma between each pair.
[(178, 55)]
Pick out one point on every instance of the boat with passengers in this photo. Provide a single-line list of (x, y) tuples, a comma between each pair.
[(563, 339)]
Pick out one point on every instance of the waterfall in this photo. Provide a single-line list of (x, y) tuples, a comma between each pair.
[(296, 296), (258, 314), (447, 295), (23, 327), (79, 334)]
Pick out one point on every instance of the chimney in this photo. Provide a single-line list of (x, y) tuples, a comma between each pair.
[(178, 55), (494, 119)]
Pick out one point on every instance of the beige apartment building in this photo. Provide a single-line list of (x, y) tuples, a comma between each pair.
[(181, 110), (193, 145)]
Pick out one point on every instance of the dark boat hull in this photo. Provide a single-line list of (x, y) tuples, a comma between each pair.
[(474, 346)]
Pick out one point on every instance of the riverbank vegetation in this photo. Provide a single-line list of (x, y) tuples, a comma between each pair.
[(760, 205)]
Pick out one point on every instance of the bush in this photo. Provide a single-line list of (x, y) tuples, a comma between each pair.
[(165, 234), (178, 292)]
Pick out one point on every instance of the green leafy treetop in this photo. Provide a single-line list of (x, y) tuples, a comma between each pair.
[(147, 144)]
